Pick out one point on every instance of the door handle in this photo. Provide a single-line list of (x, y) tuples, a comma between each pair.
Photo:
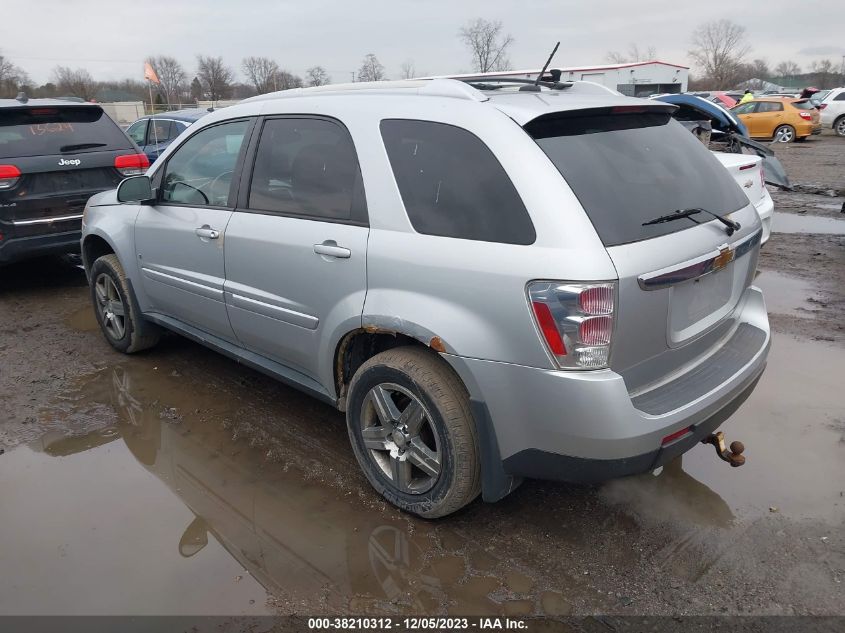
[(207, 232), (329, 248)]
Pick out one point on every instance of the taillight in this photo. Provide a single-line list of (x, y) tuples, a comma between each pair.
[(9, 176), (821, 106), (131, 164), (575, 321), (806, 116)]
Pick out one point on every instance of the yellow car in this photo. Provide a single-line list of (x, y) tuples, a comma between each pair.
[(786, 120)]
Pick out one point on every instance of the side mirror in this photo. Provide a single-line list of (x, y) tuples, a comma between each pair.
[(136, 189)]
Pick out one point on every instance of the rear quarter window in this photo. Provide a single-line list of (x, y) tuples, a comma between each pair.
[(804, 105), (52, 130), (452, 185)]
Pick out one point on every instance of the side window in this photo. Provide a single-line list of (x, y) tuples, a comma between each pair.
[(769, 106), (452, 185), (138, 132), (306, 167), (840, 97), (199, 172), (745, 108), (159, 131)]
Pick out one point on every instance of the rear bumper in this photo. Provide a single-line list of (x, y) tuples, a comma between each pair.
[(18, 248), (765, 209), (587, 427)]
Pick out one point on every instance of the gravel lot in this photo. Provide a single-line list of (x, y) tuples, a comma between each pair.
[(179, 482)]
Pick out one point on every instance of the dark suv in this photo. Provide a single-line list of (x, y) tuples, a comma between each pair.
[(54, 155)]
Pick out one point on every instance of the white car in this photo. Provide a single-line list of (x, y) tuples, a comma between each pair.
[(833, 111), (747, 171)]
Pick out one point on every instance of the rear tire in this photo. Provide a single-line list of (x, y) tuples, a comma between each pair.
[(412, 432), (117, 310), (839, 126), (787, 131)]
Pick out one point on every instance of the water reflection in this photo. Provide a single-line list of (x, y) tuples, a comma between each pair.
[(304, 541)]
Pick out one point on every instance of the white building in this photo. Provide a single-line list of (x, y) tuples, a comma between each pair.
[(636, 79)]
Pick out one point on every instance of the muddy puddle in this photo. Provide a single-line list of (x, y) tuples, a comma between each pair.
[(160, 487), (794, 223), (82, 320), (793, 427), (133, 474), (787, 295)]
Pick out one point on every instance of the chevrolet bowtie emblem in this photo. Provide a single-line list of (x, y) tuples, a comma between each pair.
[(725, 257)]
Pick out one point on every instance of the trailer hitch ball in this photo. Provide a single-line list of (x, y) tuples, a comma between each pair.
[(733, 456)]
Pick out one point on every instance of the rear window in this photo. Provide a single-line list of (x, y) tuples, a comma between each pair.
[(58, 130), (629, 168), (804, 105), (452, 185)]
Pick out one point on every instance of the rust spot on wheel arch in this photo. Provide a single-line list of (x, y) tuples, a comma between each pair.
[(437, 344)]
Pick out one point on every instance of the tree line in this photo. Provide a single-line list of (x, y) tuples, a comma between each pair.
[(722, 55), (214, 80), (719, 49)]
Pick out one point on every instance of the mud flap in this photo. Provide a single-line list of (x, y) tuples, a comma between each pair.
[(495, 482)]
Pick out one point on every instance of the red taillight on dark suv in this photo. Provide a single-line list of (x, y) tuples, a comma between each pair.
[(131, 164), (9, 175), (575, 321)]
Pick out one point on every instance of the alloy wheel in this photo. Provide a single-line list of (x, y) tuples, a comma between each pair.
[(401, 438), (110, 305)]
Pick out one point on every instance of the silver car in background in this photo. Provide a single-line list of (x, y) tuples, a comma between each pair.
[(492, 284)]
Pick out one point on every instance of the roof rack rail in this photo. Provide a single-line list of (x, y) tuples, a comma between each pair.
[(492, 83), (436, 87)]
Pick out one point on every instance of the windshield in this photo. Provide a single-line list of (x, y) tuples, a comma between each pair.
[(58, 130), (629, 168)]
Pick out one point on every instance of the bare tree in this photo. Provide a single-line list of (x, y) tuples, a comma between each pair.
[(215, 77), (634, 54), (12, 78), (261, 72), (719, 48), (317, 76), (787, 70), (409, 70), (78, 82), (171, 75), (287, 80), (823, 71), (371, 69), (487, 44)]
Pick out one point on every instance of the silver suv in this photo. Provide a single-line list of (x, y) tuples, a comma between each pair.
[(492, 283)]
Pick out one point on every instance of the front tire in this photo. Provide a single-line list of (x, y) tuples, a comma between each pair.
[(117, 311), (412, 432), (784, 134)]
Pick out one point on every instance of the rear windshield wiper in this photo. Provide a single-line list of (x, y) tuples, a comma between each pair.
[(71, 148), (732, 225)]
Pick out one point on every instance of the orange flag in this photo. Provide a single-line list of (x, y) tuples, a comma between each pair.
[(150, 74)]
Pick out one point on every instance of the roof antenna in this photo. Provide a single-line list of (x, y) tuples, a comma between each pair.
[(536, 86)]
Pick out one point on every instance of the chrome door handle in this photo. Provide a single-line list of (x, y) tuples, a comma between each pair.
[(329, 248), (207, 232)]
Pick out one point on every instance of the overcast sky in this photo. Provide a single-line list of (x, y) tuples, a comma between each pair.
[(111, 39)]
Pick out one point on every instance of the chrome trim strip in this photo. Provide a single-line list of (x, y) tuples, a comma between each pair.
[(59, 218), (183, 284), (697, 268), (272, 311)]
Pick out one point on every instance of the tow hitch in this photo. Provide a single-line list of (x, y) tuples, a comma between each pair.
[(733, 456)]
